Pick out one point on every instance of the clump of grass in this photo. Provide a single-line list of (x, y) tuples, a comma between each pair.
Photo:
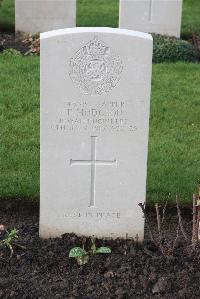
[(11, 52)]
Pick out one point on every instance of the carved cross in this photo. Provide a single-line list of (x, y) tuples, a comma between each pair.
[(93, 162), (150, 9)]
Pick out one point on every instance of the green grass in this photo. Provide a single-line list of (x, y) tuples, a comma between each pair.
[(191, 18), (7, 15), (19, 123), (174, 151), (105, 13), (97, 13)]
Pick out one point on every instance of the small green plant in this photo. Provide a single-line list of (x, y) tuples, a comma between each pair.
[(82, 256), (11, 52), (9, 240), (95, 250)]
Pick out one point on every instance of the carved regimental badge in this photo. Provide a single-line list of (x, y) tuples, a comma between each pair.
[(94, 69)]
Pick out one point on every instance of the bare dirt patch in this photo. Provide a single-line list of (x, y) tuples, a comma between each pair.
[(43, 269)]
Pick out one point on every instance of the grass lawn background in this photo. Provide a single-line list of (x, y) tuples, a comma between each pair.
[(174, 152), (105, 13), (174, 155)]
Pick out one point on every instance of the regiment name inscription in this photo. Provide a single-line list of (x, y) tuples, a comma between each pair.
[(83, 116)]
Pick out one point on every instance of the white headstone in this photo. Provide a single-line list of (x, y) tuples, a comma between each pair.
[(33, 16), (155, 16), (95, 99)]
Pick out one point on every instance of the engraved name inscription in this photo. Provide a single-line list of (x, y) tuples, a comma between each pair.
[(94, 69), (82, 116)]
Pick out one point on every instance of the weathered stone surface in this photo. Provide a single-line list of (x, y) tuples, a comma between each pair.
[(155, 16), (95, 100), (33, 16)]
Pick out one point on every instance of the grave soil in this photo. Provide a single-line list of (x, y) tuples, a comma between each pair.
[(10, 40), (132, 270)]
